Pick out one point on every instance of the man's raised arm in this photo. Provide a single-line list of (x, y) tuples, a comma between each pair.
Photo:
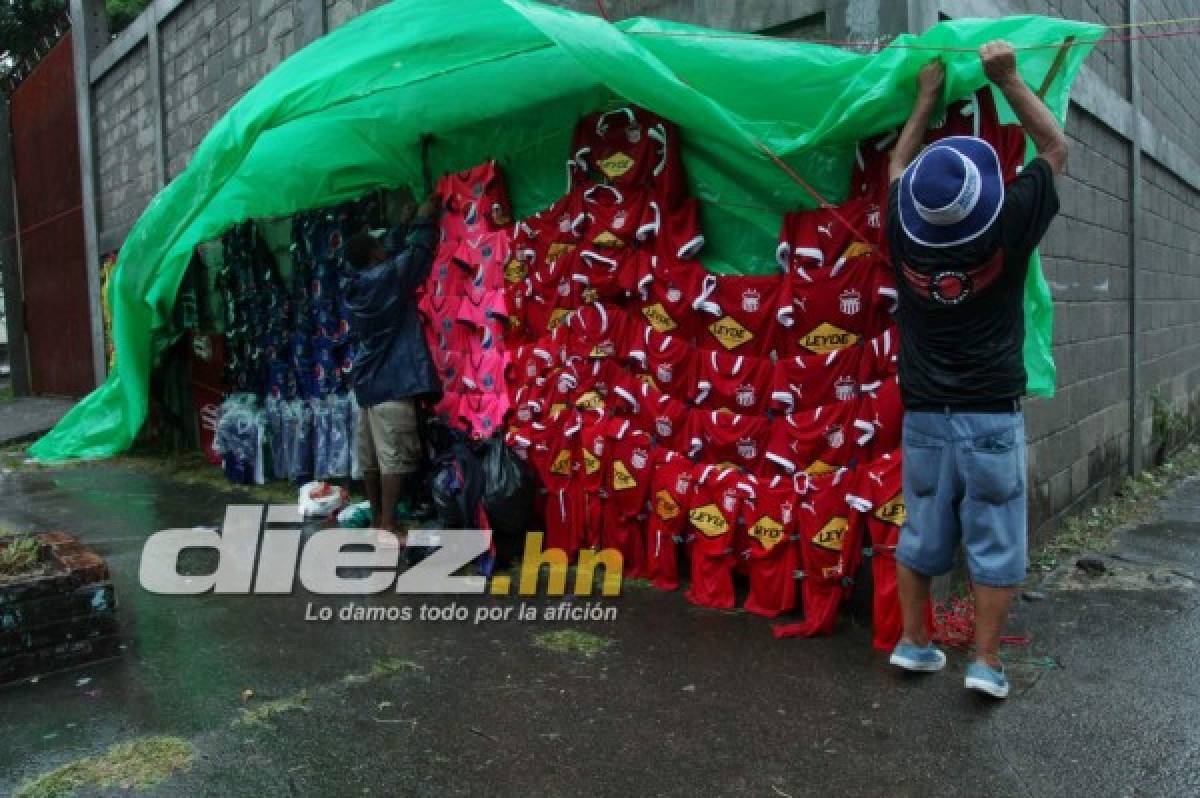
[(1000, 65), (930, 81)]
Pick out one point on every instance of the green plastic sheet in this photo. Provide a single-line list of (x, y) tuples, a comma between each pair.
[(509, 80)]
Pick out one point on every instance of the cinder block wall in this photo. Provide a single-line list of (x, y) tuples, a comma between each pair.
[(212, 51)]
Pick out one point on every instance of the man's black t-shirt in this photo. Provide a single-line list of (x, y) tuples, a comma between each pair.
[(969, 354)]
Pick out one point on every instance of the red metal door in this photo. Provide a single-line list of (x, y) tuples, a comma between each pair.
[(50, 222)]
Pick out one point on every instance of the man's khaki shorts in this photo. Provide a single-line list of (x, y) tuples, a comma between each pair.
[(388, 439)]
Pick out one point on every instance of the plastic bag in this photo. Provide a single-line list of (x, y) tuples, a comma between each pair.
[(280, 452), (320, 499), (355, 516), (299, 434), (509, 490), (239, 440)]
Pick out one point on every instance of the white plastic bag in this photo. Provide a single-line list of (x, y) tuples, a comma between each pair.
[(321, 499)]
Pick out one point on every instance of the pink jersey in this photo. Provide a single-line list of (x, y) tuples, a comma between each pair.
[(483, 414), (733, 382), (483, 373), (478, 197)]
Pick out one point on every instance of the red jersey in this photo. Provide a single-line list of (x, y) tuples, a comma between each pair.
[(598, 330), (713, 516), (829, 551), (879, 357), (553, 453), (739, 313), (733, 382), (668, 361), (771, 546), (612, 218), (626, 489), (815, 239), (676, 231), (882, 408), (820, 440), (872, 165), (669, 290), (664, 416), (541, 239), (836, 308), (876, 497), (805, 381), (670, 492), (729, 438), (594, 382), (594, 461), (605, 275), (630, 147)]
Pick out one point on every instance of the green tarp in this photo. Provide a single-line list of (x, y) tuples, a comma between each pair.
[(507, 80)]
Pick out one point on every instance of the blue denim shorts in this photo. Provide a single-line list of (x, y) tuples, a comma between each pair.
[(964, 482)]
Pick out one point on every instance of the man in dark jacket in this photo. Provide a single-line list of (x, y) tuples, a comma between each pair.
[(393, 370), (960, 241)]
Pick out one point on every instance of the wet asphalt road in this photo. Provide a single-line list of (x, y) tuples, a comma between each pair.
[(682, 702)]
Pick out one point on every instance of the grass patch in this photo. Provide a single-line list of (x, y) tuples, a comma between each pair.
[(136, 765), (6, 393), (265, 713), (1092, 530), (572, 641), (381, 668), (19, 554)]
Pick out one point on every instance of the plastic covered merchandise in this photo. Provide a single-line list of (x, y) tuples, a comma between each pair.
[(344, 116), (300, 435), (239, 440), (280, 452)]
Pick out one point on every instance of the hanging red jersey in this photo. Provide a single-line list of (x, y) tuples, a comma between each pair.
[(669, 289), (820, 440), (830, 548), (675, 231), (626, 489), (553, 453), (599, 330), (631, 147), (835, 308), (729, 438), (805, 381), (877, 498), (739, 313), (771, 548), (872, 165), (611, 218), (662, 415), (670, 498), (879, 357), (823, 237), (882, 408), (733, 382), (713, 516), (668, 361), (594, 461)]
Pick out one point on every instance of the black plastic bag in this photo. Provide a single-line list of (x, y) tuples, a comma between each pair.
[(510, 488)]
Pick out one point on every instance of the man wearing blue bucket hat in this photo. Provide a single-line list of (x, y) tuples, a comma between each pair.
[(960, 242)]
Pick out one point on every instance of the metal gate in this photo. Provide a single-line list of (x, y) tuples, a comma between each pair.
[(45, 145)]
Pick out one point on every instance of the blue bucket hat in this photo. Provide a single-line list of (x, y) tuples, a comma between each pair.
[(952, 193)]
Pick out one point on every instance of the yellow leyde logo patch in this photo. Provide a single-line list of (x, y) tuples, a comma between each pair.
[(658, 317), (894, 511), (708, 520), (515, 271), (562, 463), (730, 332), (767, 531), (665, 505), (826, 338), (832, 534), (615, 165), (622, 479)]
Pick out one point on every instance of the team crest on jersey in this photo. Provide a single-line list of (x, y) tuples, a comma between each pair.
[(893, 512), (565, 382), (598, 446), (674, 294), (639, 458), (683, 484), (607, 239), (663, 427), (835, 435), (751, 300), (787, 510), (658, 317), (709, 520), (874, 217), (524, 413), (831, 535), (730, 332), (729, 500), (767, 531), (615, 165), (845, 389), (633, 134), (826, 338), (850, 302), (564, 224), (564, 288), (531, 369), (665, 505), (489, 383), (745, 395), (622, 479), (485, 251), (664, 372), (747, 448), (619, 220), (562, 463)]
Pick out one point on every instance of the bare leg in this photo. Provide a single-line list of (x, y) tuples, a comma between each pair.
[(392, 484), (914, 601), (372, 487), (991, 613)]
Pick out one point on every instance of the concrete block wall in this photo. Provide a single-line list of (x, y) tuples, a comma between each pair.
[(212, 51)]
